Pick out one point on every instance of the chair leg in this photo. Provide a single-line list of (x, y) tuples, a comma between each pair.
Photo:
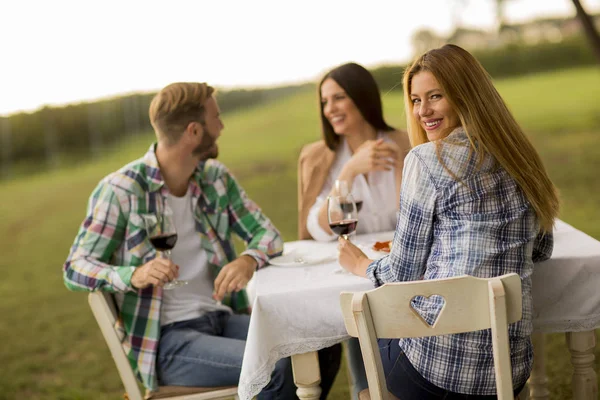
[(538, 381)]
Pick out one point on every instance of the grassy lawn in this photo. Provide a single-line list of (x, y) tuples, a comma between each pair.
[(51, 347)]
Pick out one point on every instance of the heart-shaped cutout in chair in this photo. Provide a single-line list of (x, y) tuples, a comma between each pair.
[(429, 319)]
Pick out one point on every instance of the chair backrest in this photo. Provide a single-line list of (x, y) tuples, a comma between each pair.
[(471, 304), (105, 311)]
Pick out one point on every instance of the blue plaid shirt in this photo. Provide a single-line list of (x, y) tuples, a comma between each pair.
[(482, 226)]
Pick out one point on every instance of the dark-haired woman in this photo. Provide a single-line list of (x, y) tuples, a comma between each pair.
[(360, 148)]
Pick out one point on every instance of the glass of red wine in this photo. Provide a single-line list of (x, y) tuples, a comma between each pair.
[(163, 236), (359, 204), (342, 215), (342, 189)]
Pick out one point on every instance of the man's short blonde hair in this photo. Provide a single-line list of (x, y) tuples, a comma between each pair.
[(175, 106)]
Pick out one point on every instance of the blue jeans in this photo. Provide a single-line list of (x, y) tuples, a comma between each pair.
[(404, 382), (208, 351), (358, 376)]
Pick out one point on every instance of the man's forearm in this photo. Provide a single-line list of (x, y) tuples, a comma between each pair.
[(85, 274)]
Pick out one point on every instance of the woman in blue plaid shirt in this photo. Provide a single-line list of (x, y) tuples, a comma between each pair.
[(475, 200)]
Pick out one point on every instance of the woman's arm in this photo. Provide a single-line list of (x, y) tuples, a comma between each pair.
[(401, 139), (316, 222), (372, 155), (543, 246), (347, 174), (414, 229)]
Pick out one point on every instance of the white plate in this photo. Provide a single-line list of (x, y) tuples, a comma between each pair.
[(297, 259)]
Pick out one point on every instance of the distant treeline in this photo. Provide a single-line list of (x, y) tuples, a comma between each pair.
[(83, 130), (45, 137), (511, 60)]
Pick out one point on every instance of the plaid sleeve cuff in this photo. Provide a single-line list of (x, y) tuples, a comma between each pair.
[(126, 273), (260, 257), (372, 272)]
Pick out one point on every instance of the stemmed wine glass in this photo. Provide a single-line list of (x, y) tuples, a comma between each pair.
[(163, 236), (342, 189), (342, 215)]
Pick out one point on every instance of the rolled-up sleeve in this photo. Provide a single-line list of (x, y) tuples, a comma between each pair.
[(543, 246), (103, 230), (414, 229), (247, 220)]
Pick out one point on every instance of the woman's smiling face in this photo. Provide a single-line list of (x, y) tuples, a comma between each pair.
[(431, 108), (339, 109)]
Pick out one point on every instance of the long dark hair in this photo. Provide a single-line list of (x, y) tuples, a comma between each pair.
[(360, 86)]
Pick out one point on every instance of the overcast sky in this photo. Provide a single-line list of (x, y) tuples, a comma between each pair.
[(55, 52)]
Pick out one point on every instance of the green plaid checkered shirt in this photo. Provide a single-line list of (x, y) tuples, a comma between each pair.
[(112, 242)]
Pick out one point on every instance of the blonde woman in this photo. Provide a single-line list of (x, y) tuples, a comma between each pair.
[(475, 200)]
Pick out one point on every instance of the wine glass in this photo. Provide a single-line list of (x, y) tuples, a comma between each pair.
[(343, 189), (163, 236), (342, 215)]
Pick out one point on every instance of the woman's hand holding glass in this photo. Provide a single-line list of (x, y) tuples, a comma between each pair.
[(351, 258)]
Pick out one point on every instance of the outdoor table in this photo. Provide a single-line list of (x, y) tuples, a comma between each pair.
[(296, 312)]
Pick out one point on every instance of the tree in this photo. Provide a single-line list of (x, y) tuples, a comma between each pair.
[(588, 27), (424, 40), (500, 17), (586, 21)]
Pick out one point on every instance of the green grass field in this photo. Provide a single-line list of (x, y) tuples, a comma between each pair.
[(50, 345)]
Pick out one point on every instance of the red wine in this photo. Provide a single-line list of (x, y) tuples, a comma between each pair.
[(164, 242), (344, 227), (358, 205), (347, 207)]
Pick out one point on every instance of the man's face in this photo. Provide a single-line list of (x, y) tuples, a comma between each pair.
[(207, 148)]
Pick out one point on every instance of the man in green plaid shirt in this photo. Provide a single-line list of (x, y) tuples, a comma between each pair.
[(192, 335)]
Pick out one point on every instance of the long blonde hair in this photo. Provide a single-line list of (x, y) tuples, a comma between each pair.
[(488, 123)]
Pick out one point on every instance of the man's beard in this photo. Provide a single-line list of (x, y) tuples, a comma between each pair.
[(207, 148)]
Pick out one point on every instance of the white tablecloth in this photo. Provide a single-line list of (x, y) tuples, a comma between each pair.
[(296, 309), (566, 288)]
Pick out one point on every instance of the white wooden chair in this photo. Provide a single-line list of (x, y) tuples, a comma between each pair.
[(471, 304), (105, 311)]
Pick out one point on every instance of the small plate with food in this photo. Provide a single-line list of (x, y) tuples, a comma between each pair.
[(383, 246)]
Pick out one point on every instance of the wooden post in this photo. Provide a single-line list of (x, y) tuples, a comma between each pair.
[(6, 147), (94, 130), (50, 138), (134, 113)]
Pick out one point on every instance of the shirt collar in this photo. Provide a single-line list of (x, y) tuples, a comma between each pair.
[(154, 177), (458, 131)]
